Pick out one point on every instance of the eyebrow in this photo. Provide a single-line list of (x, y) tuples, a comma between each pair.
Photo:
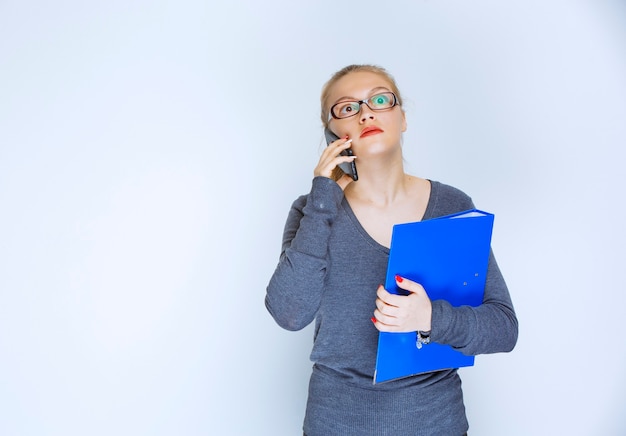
[(372, 92)]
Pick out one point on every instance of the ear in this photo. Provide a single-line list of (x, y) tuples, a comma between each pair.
[(403, 121)]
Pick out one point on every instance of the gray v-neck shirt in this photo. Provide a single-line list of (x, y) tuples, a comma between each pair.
[(328, 272)]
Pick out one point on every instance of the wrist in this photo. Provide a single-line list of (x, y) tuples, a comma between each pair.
[(422, 338)]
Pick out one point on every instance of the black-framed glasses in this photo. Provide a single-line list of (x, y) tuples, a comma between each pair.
[(377, 102)]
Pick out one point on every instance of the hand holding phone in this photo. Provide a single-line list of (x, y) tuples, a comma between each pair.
[(348, 167)]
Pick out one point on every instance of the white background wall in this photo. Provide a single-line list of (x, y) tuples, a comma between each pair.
[(149, 153)]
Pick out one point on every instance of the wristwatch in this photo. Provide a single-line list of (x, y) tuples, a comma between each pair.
[(423, 338)]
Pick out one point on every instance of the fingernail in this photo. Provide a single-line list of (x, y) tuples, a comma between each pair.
[(373, 320), (399, 279)]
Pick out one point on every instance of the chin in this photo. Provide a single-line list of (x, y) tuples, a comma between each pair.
[(376, 147)]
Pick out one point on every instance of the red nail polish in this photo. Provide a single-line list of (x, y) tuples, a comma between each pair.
[(373, 320), (399, 279)]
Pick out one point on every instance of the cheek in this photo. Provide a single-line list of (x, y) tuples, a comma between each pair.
[(338, 130), (396, 119), (351, 131)]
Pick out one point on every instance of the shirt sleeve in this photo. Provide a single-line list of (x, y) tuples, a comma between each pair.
[(295, 289), (491, 327)]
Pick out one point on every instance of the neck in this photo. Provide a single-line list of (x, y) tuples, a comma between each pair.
[(380, 183)]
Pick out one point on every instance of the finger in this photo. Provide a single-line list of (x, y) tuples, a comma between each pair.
[(388, 298), (380, 326), (388, 325), (384, 321), (338, 147), (341, 142), (386, 309), (347, 144), (327, 164), (375, 321), (387, 302), (409, 285)]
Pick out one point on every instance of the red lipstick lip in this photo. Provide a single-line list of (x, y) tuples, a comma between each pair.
[(368, 131)]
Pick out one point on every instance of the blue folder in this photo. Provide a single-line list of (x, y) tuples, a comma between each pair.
[(448, 256)]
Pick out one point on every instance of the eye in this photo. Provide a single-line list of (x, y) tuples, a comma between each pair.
[(381, 100), (346, 108)]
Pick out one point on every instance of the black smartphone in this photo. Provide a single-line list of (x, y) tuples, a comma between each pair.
[(348, 167)]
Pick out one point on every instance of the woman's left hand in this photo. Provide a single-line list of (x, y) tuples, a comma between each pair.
[(403, 313)]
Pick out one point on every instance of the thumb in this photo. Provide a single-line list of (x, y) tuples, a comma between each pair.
[(409, 285)]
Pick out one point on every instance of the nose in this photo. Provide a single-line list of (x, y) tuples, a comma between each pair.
[(366, 113)]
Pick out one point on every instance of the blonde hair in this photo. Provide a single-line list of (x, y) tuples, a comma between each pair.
[(355, 68)]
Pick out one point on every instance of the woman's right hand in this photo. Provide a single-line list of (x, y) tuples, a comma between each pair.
[(331, 157)]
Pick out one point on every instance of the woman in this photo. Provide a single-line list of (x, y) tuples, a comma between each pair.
[(334, 257)]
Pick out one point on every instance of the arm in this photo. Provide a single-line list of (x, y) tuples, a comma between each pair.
[(295, 289), (489, 328)]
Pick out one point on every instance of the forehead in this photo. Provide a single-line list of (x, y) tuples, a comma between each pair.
[(357, 85)]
